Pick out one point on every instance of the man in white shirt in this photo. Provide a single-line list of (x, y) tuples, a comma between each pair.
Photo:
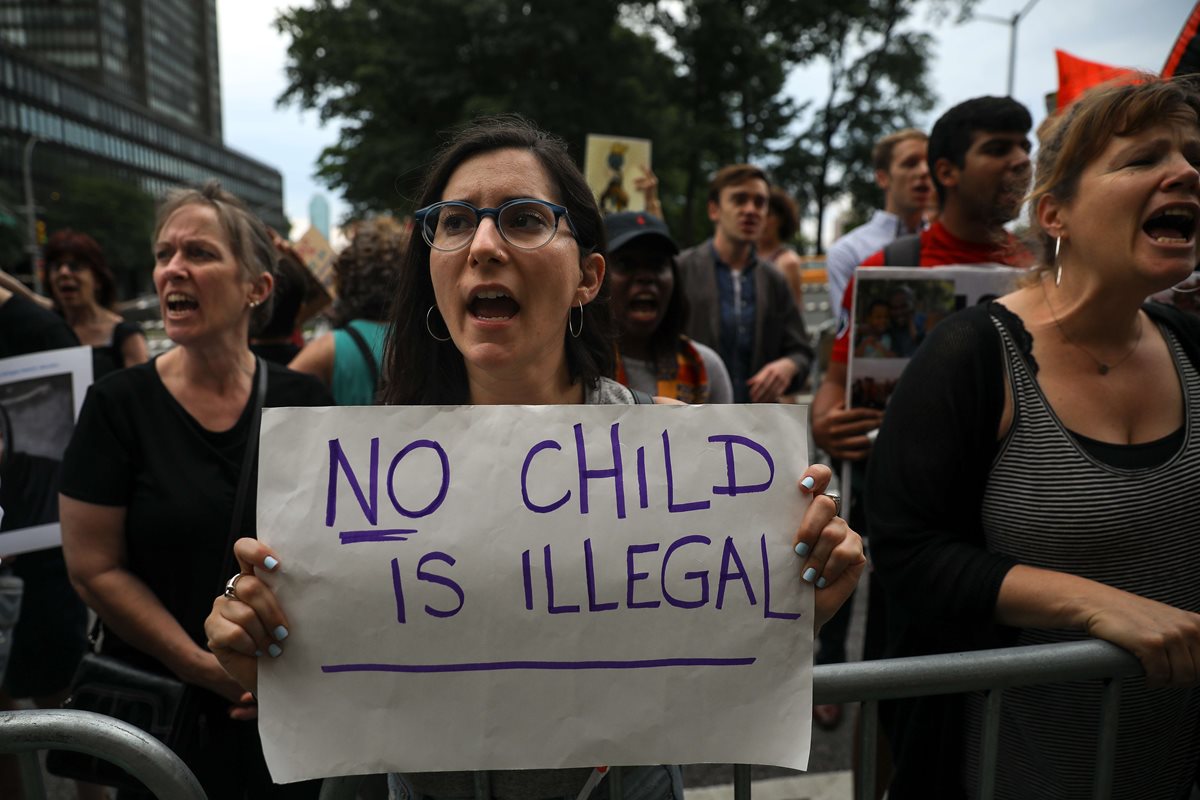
[(902, 172)]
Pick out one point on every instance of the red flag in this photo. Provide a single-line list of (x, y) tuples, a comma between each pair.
[(1076, 76), (1185, 55)]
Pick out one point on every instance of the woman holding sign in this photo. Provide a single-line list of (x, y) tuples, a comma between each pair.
[(502, 301), (1032, 479), (150, 479)]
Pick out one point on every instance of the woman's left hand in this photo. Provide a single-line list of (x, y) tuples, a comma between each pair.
[(831, 555)]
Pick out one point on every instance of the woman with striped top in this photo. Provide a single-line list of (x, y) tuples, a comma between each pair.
[(1032, 478)]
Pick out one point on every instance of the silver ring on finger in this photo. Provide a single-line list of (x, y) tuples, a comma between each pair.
[(231, 586), (836, 497)]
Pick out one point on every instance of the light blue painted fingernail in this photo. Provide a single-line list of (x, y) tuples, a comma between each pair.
[(821, 584), (808, 482), (270, 562), (810, 574), (275, 650), (258, 653), (801, 549), (281, 633)]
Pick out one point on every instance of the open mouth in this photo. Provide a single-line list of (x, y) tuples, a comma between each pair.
[(178, 303), (1176, 225), (643, 305), (493, 306)]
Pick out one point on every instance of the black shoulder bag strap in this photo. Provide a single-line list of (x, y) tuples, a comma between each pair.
[(903, 252), (367, 355), (239, 504), (641, 398)]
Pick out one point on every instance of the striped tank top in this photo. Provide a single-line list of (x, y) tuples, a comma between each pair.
[(1050, 504)]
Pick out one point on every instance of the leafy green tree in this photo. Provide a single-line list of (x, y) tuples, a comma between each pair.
[(878, 83), (399, 76), (703, 79)]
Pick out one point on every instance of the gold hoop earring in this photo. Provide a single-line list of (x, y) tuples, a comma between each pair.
[(575, 333), (429, 327)]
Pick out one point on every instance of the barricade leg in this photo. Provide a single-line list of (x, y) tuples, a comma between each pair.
[(868, 743), (1106, 752), (616, 784), (741, 782), (31, 776), (483, 785), (990, 746)]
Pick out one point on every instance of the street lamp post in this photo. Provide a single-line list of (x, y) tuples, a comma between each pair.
[(32, 246), (1012, 23)]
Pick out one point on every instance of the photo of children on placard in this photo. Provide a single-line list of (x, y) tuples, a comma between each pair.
[(895, 309), (895, 315), (613, 165)]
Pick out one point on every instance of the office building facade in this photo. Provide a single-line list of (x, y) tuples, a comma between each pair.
[(127, 89)]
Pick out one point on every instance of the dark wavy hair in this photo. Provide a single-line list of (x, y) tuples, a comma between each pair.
[(72, 245), (783, 206), (366, 270), (418, 369)]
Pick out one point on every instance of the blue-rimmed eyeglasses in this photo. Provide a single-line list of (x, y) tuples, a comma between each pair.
[(525, 223)]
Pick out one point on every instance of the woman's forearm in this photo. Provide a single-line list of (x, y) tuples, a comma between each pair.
[(132, 611)]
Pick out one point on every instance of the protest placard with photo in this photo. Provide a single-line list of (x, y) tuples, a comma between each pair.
[(40, 398), (894, 309), (612, 165)]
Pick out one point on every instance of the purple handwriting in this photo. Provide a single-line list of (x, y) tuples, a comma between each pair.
[(494, 666)]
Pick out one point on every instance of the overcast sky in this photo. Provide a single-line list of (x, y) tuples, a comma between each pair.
[(970, 59)]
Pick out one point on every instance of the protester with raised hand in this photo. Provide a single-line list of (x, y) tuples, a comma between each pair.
[(151, 476), (1029, 484), (84, 291), (501, 301)]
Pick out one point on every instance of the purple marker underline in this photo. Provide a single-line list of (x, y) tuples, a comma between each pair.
[(376, 535), (494, 666)]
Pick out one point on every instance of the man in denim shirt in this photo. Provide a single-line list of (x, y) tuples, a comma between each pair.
[(741, 306)]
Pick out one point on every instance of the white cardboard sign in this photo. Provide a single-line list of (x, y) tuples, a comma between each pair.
[(512, 587)]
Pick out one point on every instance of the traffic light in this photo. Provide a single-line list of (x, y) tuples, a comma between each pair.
[(41, 232)]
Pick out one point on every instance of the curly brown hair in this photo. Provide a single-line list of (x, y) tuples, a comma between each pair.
[(366, 270)]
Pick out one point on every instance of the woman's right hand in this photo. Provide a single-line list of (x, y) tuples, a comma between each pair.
[(242, 630), (1164, 638)]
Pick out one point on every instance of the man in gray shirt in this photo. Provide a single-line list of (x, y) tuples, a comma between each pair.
[(902, 172)]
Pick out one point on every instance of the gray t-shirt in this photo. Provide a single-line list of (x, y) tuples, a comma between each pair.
[(643, 375)]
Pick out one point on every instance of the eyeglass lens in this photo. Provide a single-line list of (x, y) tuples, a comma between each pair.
[(527, 225)]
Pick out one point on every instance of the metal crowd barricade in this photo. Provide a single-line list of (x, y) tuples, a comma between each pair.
[(991, 671), (868, 682), (129, 747)]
